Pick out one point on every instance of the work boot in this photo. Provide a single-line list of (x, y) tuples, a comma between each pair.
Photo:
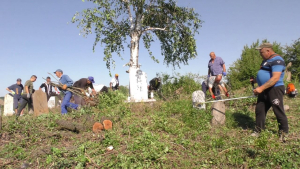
[(255, 134), (283, 136), (227, 94)]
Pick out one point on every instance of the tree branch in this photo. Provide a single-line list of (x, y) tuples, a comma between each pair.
[(129, 13), (154, 28)]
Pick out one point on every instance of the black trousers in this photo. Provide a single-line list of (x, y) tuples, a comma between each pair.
[(25, 101), (272, 97), (52, 94)]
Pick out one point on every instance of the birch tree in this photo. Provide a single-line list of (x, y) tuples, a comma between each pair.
[(119, 23), (123, 23)]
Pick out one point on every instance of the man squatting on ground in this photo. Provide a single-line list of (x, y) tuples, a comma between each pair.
[(66, 81), (48, 89), (27, 96), (271, 89), (114, 83), (83, 84), (216, 68), (16, 90)]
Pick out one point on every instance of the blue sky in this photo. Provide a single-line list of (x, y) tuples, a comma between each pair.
[(36, 38)]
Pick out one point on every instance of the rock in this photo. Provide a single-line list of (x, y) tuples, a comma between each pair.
[(40, 105), (286, 107), (218, 113), (24, 166), (51, 102), (198, 97)]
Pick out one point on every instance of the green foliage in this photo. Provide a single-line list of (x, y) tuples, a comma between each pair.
[(184, 84), (111, 99), (117, 22), (124, 90), (247, 65), (292, 54)]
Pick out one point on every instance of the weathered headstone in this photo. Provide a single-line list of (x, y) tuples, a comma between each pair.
[(51, 102), (288, 74), (8, 105), (218, 113), (1, 102), (198, 97), (40, 105)]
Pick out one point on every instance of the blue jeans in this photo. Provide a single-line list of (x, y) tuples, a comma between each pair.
[(66, 103)]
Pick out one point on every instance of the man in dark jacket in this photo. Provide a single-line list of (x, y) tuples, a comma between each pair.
[(83, 84)]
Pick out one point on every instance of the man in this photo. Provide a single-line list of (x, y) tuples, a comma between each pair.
[(16, 90), (66, 81), (83, 84), (27, 96), (154, 83), (216, 67), (48, 89), (114, 83), (271, 90), (215, 81)]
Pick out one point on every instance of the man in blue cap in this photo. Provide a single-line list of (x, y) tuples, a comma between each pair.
[(16, 91), (66, 81), (83, 84)]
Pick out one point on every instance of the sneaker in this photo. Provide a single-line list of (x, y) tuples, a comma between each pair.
[(255, 134), (227, 94)]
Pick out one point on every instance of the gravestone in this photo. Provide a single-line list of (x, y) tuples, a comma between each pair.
[(198, 97), (288, 74), (218, 113), (1, 102), (51, 102), (40, 105), (8, 105)]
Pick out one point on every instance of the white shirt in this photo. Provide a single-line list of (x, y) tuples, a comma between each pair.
[(114, 81)]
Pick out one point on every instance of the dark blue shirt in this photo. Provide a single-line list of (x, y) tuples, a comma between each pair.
[(17, 89), (216, 68), (267, 67)]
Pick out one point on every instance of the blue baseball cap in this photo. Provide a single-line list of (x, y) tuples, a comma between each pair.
[(91, 78), (58, 70)]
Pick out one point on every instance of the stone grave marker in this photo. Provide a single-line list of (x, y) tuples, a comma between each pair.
[(1, 102), (198, 97), (8, 105), (51, 102), (40, 105), (218, 113)]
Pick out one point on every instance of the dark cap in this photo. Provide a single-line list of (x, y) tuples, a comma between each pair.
[(19, 80), (265, 45), (91, 78), (58, 70)]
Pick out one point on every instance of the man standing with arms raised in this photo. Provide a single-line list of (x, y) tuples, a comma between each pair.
[(66, 81), (271, 90)]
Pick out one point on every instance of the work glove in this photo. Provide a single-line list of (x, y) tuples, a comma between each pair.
[(64, 87), (28, 95), (12, 92), (227, 94), (224, 73), (213, 96)]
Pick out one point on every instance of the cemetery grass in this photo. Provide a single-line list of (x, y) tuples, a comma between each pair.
[(163, 134)]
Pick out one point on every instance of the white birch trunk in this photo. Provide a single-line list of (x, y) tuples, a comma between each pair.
[(134, 67)]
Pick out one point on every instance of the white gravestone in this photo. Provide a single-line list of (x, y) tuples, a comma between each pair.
[(138, 85), (51, 102), (198, 97), (8, 105)]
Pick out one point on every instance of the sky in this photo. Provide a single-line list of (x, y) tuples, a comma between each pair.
[(37, 37)]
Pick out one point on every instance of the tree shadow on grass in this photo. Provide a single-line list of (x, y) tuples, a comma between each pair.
[(243, 120)]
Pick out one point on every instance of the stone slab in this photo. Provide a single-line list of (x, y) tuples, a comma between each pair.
[(8, 105), (218, 113), (198, 97), (51, 102), (40, 105)]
